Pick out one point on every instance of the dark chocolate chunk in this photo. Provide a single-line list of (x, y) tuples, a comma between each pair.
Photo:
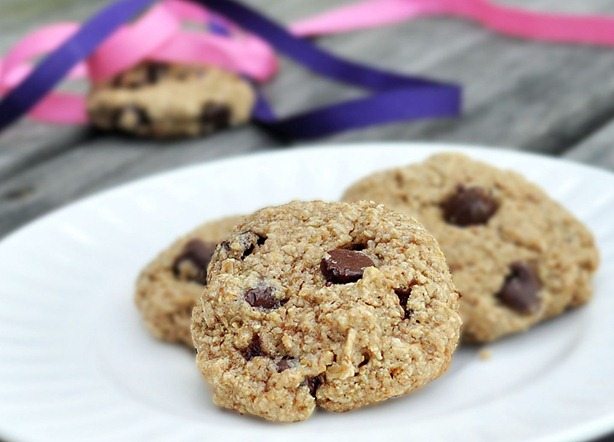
[(117, 81), (520, 288), (215, 115), (198, 254), (469, 206), (404, 293), (342, 266), (155, 71), (253, 349), (262, 297), (314, 383), (358, 246)]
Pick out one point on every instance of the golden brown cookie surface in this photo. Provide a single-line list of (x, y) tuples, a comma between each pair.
[(163, 100), (517, 257), (324, 304)]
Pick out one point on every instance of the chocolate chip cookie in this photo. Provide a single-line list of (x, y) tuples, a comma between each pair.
[(517, 257), (167, 289), (333, 305), (165, 100)]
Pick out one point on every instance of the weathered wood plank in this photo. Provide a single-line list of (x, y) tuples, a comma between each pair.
[(27, 144), (98, 163), (522, 94)]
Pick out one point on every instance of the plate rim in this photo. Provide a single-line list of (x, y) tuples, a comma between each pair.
[(302, 148)]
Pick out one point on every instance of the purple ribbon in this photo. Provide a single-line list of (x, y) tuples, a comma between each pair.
[(394, 97)]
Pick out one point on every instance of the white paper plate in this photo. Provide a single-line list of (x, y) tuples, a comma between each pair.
[(77, 364)]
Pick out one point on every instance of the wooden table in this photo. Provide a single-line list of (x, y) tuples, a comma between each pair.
[(549, 98), (555, 99)]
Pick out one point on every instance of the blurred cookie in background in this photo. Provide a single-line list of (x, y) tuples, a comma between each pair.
[(163, 100)]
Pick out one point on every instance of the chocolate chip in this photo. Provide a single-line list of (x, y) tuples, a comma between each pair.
[(469, 206), (343, 266), (215, 115), (262, 297), (253, 349), (314, 383), (520, 288), (357, 246), (117, 81), (286, 363), (197, 253), (155, 71), (404, 293)]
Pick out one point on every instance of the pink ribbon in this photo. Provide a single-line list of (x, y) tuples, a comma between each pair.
[(515, 22), (160, 35)]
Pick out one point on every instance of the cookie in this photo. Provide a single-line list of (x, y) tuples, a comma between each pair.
[(517, 256), (164, 100), (332, 305), (167, 289)]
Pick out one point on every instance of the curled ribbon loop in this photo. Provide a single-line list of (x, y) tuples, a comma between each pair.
[(159, 36)]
